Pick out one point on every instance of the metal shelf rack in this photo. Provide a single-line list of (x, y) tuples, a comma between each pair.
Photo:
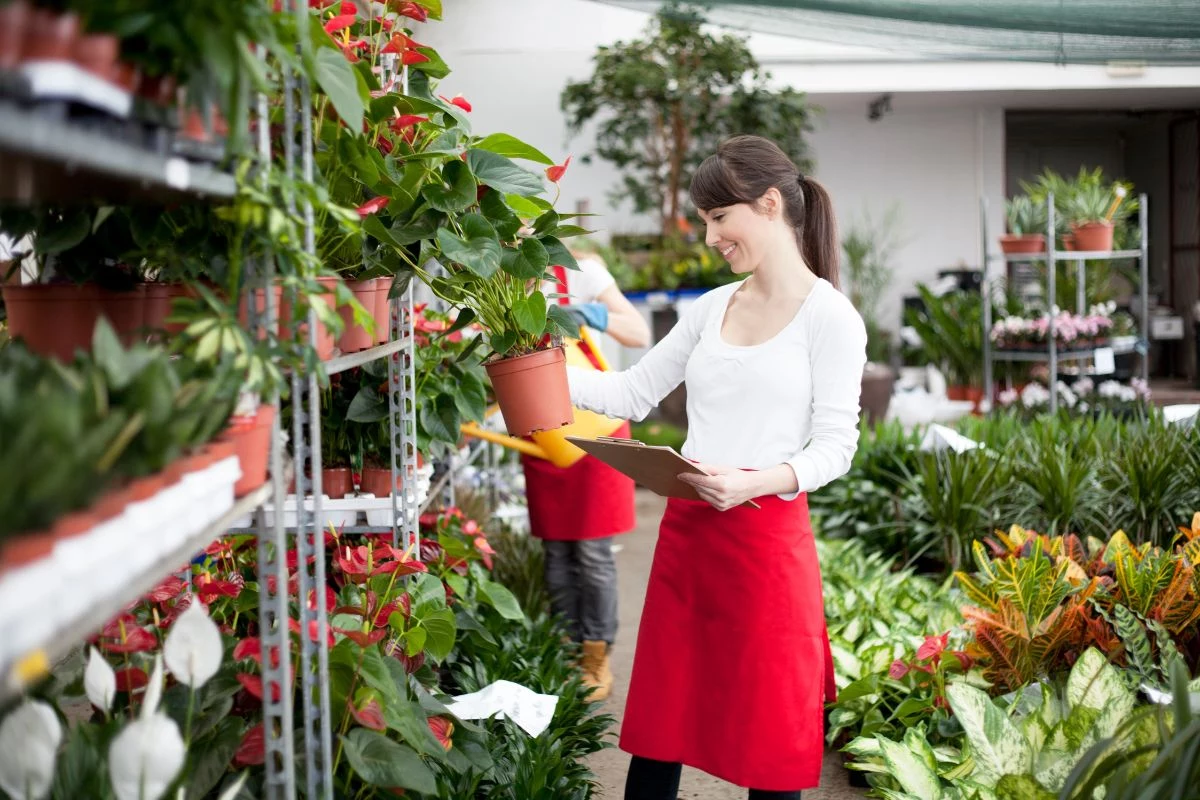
[(1052, 256)]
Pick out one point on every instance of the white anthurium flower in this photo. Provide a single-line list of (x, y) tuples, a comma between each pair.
[(145, 757), (193, 649), (235, 789), (99, 681), (154, 689), (29, 740)]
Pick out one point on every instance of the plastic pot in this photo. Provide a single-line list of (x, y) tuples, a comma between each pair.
[(336, 482), (125, 311), (356, 337), (251, 440), (324, 335), (14, 22), (383, 311), (1093, 237), (532, 391), (1014, 243), (97, 53), (52, 319), (378, 481), (50, 36), (157, 306)]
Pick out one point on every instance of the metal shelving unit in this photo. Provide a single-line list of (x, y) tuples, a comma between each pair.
[(1053, 257)]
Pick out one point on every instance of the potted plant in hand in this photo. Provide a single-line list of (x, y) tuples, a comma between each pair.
[(1026, 226)]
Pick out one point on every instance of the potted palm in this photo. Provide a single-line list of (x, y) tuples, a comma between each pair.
[(1091, 213), (1026, 226)]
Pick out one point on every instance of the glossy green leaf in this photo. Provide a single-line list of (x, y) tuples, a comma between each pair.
[(530, 313), (335, 75), (528, 261), (379, 761), (442, 629), (455, 192), (558, 253), (512, 147), (479, 251), (500, 598), (502, 174)]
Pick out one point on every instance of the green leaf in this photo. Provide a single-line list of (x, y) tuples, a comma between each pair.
[(560, 322), (375, 674), (379, 761), (455, 193), (530, 313), (527, 207), (337, 79), (440, 419), (502, 342), (435, 67), (471, 397), (1022, 787), (500, 215), (504, 145), (479, 251), (409, 720), (414, 640), (528, 262), (910, 770), (500, 598), (558, 253), (546, 223), (998, 746), (368, 406), (502, 174), (442, 629), (64, 235), (566, 231), (212, 759)]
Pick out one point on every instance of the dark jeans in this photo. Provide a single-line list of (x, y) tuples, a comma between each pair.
[(659, 780), (581, 578)]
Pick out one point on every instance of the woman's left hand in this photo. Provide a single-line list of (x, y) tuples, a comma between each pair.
[(724, 487)]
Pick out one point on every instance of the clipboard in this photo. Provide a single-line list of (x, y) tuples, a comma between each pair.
[(656, 467)]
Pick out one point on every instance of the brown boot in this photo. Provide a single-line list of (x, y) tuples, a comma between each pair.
[(596, 674)]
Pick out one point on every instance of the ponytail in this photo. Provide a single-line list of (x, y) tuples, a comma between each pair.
[(818, 235)]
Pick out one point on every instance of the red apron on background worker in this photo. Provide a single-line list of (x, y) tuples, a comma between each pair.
[(577, 510)]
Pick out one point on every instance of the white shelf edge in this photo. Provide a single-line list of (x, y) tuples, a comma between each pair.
[(351, 360)]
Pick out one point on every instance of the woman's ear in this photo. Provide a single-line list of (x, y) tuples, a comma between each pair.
[(771, 203)]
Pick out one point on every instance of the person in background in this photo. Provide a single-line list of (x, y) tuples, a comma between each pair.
[(733, 666), (576, 511)]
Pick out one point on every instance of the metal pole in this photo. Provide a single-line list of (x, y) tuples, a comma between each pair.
[(1144, 230), (1052, 269), (986, 295)]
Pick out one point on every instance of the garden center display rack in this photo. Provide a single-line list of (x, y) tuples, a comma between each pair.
[(43, 158), (1052, 356)]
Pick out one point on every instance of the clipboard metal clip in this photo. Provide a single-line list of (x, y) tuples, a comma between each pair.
[(619, 440)]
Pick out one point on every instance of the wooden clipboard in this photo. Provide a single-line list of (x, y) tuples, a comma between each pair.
[(654, 466)]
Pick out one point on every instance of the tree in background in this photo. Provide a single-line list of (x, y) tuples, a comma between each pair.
[(664, 101)]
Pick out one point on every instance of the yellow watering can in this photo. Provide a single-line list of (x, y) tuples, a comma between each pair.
[(553, 445)]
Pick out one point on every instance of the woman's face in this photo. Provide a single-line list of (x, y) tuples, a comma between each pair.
[(739, 233)]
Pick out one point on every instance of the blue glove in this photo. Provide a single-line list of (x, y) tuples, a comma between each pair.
[(594, 315)]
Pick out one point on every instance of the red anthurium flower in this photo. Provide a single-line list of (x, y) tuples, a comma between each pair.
[(384, 145), (412, 11), (400, 43), (556, 172), (963, 658), (362, 639), (131, 679), (442, 729), (210, 588), (373, 206), (386, 23), (253, 749), (410, 57), (339, 23), (250, 647), (898, 670), (169, 589), (134, 640), (933, 646), (348, 7), (330, 598), (313, 631), (221, 548), (369, 716), (251, 683), (470, 527), (458, 100), (404, 606), (485, 550)]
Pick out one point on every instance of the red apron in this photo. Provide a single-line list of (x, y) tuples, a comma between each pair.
[(733, 667), (587, 500)]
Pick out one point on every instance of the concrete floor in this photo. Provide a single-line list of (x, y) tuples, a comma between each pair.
[(633, 568)]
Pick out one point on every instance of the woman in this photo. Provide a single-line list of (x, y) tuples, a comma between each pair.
[(732, 665), (576, 511)]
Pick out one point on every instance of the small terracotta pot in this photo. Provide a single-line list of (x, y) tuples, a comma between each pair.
[(251, 440), (1014, 243), (127, 76), (125, 311), (147, 486), (53, 319), (14, 23), (972, 393), (1068, 242), (113, 502), (325, 340), (97, 53), (157, 305), (50, 36), (260, 306), (175, 291), (25, 548), (336, 482), (1093, 237), (383, 311), (159, 89), (532, 391), (356, 337), (378, 481), (74, 524)]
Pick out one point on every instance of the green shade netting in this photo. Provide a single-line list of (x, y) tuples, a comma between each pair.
[(1062, 31)]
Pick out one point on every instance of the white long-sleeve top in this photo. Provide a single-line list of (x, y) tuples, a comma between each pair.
[(793, 399)]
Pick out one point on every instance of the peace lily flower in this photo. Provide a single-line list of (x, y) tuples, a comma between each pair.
[(99, 681), (29, 740), (192, 650), (145, 757)]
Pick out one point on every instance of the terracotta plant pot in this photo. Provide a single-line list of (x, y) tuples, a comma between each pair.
[(356, 337), (147, 486), (972, 393), (113, 502), (158, 89), (1068, 242), (125, 311), (251, 440), (337, 482), (260, 306), (324, 335), (383, 311), (74, 524), (14, 23), (25, 548), (50, 36), (1094, 237), (97, 53), (53, 319), (378, 481), (532, 391), (175, 291), (157, 306), (1015, 243)]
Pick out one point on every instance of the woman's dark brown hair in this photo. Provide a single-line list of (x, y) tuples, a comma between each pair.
[(742, 170)]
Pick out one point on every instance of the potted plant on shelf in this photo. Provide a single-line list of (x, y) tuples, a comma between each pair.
[(1092, 209), (950, 327), (1026, 226)]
